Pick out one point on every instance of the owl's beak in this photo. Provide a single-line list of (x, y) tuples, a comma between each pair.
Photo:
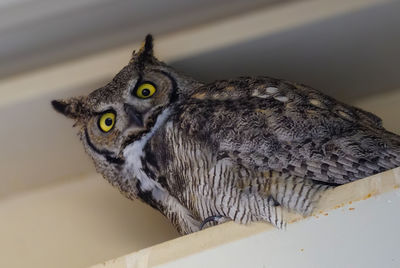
[(134, 116)]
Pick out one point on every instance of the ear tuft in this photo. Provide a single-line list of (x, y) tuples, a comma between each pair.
[(72, 108), (148, 43), (147, 46), (59, 106), (145, 54)]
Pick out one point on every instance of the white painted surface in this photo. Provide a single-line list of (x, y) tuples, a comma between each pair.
[(75, 224), (363, 234), (298, 18), (41, 32)]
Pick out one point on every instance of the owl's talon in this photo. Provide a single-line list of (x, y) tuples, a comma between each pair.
[(210, 219)]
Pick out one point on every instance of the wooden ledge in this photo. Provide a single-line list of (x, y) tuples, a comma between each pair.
[(345, 198)]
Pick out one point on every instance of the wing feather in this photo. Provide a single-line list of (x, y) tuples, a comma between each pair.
[(271, 124)]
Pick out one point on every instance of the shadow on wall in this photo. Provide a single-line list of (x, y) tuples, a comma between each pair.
[(347, 57)]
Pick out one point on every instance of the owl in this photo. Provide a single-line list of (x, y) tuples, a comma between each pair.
[(243, 149)]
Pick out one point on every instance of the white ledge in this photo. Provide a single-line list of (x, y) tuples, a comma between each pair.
[(347, 219)]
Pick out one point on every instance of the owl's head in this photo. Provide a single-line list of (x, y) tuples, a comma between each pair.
[(113, 116)]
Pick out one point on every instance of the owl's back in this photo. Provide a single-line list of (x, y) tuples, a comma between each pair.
[(271, 124)]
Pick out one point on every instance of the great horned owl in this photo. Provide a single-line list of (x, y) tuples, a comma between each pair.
[(240, 149)]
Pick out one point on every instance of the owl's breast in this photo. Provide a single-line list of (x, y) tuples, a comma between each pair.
[(140, 168), (190, 170)]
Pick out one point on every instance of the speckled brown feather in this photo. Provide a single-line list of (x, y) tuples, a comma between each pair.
[(273, 124)]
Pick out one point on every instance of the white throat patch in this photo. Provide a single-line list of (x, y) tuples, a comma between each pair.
[(133, 154)]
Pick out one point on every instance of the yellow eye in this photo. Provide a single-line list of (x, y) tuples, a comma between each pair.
[(145, 90), (107, 121)]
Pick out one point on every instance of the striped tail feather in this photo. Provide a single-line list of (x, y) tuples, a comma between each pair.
[(295, 193)]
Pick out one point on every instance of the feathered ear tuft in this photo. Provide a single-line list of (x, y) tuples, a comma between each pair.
[(145, 54), (147, 47), (72, 108)]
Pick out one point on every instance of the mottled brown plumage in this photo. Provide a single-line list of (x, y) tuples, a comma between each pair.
[(242, 149)]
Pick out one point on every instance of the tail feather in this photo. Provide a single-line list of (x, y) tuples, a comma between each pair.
[(295, 193)]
